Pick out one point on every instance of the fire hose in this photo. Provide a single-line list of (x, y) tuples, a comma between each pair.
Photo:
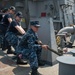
[(52, 50)]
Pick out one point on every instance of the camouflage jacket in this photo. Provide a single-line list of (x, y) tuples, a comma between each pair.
[(29, 41)]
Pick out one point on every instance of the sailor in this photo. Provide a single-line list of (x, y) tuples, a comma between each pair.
[(30, 48), (8, 17), (6, 22), (13, 30), (2, 14)]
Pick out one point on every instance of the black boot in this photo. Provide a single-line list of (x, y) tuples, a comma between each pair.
[(20, 61), (10, 52), (35, 72), (41, 63)]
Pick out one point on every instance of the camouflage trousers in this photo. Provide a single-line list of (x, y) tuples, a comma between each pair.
[(12, 39), (32, 55)]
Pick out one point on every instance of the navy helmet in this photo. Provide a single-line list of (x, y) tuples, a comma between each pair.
[(19, 14), (12, 8), (5, 10), (35, 23)]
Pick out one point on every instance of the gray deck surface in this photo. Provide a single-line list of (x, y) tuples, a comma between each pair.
[(9, 67)]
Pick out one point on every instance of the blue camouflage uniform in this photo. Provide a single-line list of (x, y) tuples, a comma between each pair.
[(11, 35), (4, 26), (30, 49)]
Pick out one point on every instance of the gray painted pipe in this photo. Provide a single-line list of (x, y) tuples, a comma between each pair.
[(67, 29)]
